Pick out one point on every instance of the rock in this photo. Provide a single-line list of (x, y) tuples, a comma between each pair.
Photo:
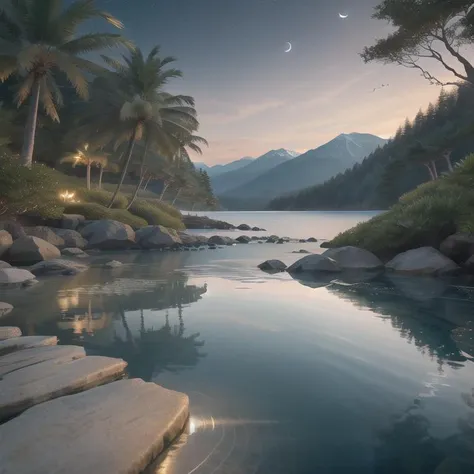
[(312, 239), (203, 222), (58, 265), (72, 221), (243, 239), (354, 258), (273, 239), (458, 247), (108, 235), (45, 233), (257, 229), (6, 241), (188, 239), (157, 236), (468, 265), (28, 386), (11, 277), (113, 264), (28, 357), (14, 228), (281, 241), (116, 428), (26, 342), (71, 238), (221, 240), (422, 261), (314, 263), (74, 252), (272, 266), (212, 247), (4, 264), (5, 308), (326, 245), (244, 227), (302, 241), (300, 251), (30, 250), (7, 332)]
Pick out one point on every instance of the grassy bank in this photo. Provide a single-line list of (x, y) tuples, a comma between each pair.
[(36, 192), (425, 216)]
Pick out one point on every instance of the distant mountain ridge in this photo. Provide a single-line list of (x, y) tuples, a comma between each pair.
[(313, 167), (225, 182), (220, 169)]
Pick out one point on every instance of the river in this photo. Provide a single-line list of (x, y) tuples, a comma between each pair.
[(285, 376)]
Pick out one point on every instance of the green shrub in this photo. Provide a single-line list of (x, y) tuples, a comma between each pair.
[(165, 207), (99, 196), (93, 211), (154, 215), (32, 191)]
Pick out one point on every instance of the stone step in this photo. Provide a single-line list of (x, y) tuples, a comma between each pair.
[(116, 428), (30, 357), (23, 388), (7, 332), (26, 342)]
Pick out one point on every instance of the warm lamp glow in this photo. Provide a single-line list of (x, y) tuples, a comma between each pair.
[(66, 196)]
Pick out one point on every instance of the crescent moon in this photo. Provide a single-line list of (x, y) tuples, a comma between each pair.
[(289, 47), (343, 16)]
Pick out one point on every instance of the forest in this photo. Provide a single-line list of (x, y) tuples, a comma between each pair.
[(421, 150)]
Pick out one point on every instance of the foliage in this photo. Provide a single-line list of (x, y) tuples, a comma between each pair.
[(394, 170), (94, 211), (154, 215), (432, 30), (99, 196), (23, 190), (165, 207), (423, 217)]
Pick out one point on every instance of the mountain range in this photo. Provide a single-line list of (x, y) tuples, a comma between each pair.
[(220, 169)]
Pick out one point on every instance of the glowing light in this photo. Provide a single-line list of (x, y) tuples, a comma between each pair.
[(66, 196), (192, 426)]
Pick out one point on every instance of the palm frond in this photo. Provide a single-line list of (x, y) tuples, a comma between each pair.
[(95, 41), (25, 89), (74, 75), (46, 98)]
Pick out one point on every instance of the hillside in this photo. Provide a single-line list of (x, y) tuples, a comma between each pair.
[(312, 167), (226, 182), (390, 172), (221, 169)]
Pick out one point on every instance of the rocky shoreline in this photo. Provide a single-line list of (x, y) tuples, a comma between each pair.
[(194, 222)]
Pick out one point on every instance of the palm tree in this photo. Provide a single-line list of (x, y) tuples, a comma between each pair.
[(87, 156), (136, 108), (106, 165), (38, 39)]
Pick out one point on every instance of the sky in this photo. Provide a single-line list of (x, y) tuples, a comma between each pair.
[(250, 95)]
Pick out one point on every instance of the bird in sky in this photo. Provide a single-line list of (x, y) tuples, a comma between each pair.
[(379, 87)]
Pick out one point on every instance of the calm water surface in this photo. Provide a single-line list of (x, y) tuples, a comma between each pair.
[(284, 376)]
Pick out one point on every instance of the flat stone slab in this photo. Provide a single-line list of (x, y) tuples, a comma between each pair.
[(119, 428), (30, 357), (23, 388), (26, 342), (7, 332)]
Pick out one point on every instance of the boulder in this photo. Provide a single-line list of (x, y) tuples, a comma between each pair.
[(272, 266), (14, 277), (74, 252), (30, 385), (25, 342), (243, 239), (113, 264), (468, 265), (314, 263), (187, 239), (45, 233), (156, 237), (354, 258), (71, 238), (14, 228), (281, 241), (30, 250), (4, 264), (116, 428), (108, 235), (256, 229), (5, 308), (58, 266), (422, 261), (273, 239), (300, 251), (244, 227), (458, 247), (72, 221), (7, 332), (6, 241), (221, 240), (312, 239)]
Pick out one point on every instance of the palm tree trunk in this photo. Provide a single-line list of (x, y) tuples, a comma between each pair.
[(131, 144), (435, 171), (26, 156), (165, 187), (447, 157), (135, 194), (88, 176), (142, 176), (430, 171), (147, 182), (176, 197), (101, 172)]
